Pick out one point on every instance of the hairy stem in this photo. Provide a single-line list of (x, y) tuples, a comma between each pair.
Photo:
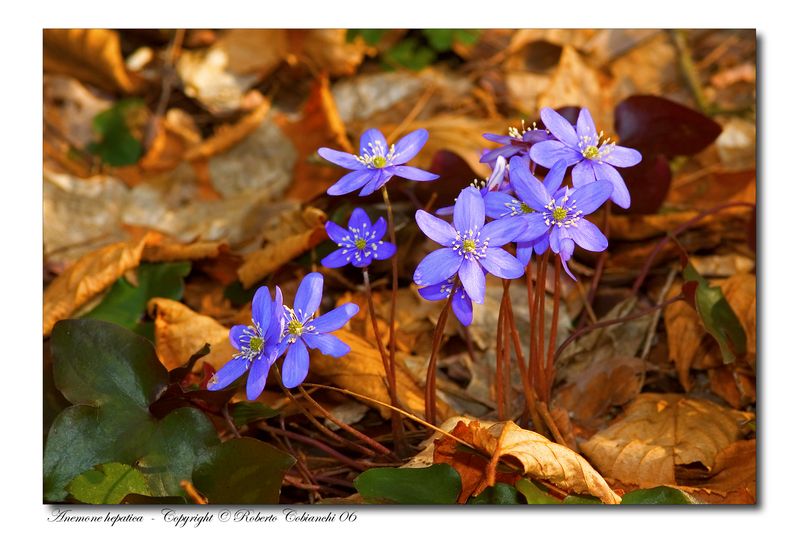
[(430, 384), (553, 334)]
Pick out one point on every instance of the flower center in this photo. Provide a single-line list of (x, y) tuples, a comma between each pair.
[(376, 155), (595, 147), (469, 246), (256, 344), (559, 213), (379, 161), (360, 244), (295, 327), (517, 133), (526, 209), (590, 152)]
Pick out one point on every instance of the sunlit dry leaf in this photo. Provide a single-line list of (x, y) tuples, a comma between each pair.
[(227, 136), (90, 55), (254, 52), (722, 266), (650, 67), (180, 332), (301, 231), (737, 144), (735, 470), (87, 278), (660, 431), (163, 250), (361, 371), (327, 50), (205, 77)]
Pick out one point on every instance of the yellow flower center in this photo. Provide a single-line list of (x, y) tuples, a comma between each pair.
[(295, 327), (379, 161), (360, 244), (559, 213), (469, 246), (526, 208), (590, 152), (256, 344)]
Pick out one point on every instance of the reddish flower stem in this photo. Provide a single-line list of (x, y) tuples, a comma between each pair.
[(541, 316), (553, 334), (430, 384), (499, 374)]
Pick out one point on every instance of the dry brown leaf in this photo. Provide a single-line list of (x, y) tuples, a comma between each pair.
[(180, 332), (658, 432), (735, 469), (227, 136), (300, 232), (254, 52), (90, 55), (734, 384), (327, 50), (87, 278), (163, 250), (361, 371)]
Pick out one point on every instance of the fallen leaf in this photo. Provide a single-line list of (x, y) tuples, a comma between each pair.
[(228, 135), (163, 250), (90, 55), (252, 52), (87, 278), (735, 471), (299, 232), (327, 50), (361, 371), (658, 432), (180, 332), (205, 77)]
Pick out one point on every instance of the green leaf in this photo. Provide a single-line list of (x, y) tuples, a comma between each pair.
[(499, 494), (534, 494), (370, 36), (97, 363), (571, 499), (467, 37), (717, 316), (658, 496), (438, 483), (117, 146), (411, 54), (108, 483), (243, 471), (247, 412), (440, 40), (125, 304)]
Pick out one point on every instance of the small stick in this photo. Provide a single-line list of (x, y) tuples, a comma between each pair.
[(315, 443)]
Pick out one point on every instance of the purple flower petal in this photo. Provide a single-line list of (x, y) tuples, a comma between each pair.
[(379, 228), (445, 211), (407, 147), (380, 177), (256, 381), (554, 239), (435, 228), (505, 152), (590, 197), (337, 259), (583, 173), (437, 266), (229, 373), (262, 308), (235, 335), (327, 344), (342, 159), (435, 292), (276, 325), (497, 175), (524, 252), (498, 204), (384, 250), (502, 139), (350, 182), (547, 153), (359, 220), (621, 156), (585, 125), (531, 191), (469, 211), (559, 127), (502, 231), (567, 247), (462, 307), (373, 137), (620, 196), (554, 178), (336, 233), (415, 174), (535, 227), (295, 365), (335, 319), (502, 264), (541, 244), (473, 279), (587, 236), (309, 295)]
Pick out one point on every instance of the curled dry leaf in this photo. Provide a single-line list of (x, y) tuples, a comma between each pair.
[(327, 50), (299, 232), (660, 431), (164, 250), (88, 277), (361, 371), (180, 332), (90, 55), (228, 135), (733, 477)]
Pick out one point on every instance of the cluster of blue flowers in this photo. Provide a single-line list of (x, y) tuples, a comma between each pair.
[(535, 215)]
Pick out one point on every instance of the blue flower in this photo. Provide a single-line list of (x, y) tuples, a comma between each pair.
[(470, 245), (302, 331), (377, 163), (595, 158), (461, 303), (256, 345), (360, 243), (494, 182), (514, 143)]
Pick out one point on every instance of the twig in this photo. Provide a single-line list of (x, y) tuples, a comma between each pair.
[(315, 443), (229, 420), (167, 80), (656, 317)]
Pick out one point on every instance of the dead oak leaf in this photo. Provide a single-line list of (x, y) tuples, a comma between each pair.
[(658, 432)]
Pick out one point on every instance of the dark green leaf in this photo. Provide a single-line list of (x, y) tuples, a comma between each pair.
[(108, 483), (411, 54), (247, 412), (440, 40), (125, 304), (658, 496), (439, 483), (117, 146), (534, 494), (499, 494), (97, 363), (243, 471), (369, 36), (717, 316), (467, 37), (581, 500)]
